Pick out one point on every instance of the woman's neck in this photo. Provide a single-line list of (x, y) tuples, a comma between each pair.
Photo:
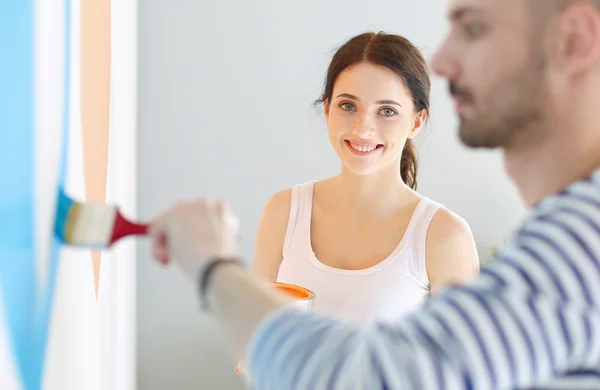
[(377, 195)]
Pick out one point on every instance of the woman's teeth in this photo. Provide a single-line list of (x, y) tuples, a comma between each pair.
[(363, 148)]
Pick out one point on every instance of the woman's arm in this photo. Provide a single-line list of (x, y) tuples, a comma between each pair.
[(268, 246), (450, 254)]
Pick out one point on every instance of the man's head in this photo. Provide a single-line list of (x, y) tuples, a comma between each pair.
[(514, 66)]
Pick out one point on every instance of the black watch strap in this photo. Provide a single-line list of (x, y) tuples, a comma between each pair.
[(206, 272)]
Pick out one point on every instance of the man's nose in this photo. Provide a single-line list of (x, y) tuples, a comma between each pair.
[(443, 62)]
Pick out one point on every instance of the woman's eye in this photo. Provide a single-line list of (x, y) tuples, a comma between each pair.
[(388, 112), (347, 106)]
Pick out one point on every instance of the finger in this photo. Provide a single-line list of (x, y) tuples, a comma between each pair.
[(160, 250), (158, 235), (161, 256), (211, 212), (221, 206), (209, 205), (232, 221), (222, 209), (224, 213), (157, 224)]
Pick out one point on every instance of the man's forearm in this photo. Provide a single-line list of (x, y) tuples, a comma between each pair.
[(531, 318), (240, 302)]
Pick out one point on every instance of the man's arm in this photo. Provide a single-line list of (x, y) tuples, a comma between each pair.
[(530, 316), (240, 302), (467, 338)]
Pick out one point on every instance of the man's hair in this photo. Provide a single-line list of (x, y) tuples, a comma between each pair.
[(551, 6), (544, 10)]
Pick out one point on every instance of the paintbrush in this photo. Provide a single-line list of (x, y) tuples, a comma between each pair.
[(92, 225)]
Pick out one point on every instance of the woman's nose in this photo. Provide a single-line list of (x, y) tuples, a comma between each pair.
[(364, 126)]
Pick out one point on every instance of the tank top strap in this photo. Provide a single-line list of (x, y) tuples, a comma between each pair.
[(420, 237), (300, 213)]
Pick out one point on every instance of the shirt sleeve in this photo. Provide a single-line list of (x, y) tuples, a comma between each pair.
[(530, 316)]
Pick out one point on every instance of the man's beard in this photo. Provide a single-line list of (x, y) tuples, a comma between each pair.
[(510, 113)]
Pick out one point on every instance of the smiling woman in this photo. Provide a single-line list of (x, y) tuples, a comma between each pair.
[(367, 231)]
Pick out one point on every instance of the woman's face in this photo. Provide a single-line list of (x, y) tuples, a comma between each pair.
[(369, 117)]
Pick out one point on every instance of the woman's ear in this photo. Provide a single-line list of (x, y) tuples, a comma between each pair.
[(418, 123), (326, 108)]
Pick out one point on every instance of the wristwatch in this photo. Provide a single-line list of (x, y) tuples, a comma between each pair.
[(207, 271)]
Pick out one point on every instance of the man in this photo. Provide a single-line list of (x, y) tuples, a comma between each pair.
[(525, 75)]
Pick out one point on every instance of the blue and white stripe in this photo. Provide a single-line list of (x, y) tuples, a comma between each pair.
[(530, 321)]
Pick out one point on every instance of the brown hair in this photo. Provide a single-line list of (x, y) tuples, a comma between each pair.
[(400, 56)]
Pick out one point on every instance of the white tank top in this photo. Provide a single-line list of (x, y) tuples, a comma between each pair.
[(382, 293)]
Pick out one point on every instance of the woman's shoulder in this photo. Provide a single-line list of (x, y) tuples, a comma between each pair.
[(451, 250), (280, 202), (445, 222)]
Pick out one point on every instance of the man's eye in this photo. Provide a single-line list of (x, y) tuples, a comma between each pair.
[(474, 30)]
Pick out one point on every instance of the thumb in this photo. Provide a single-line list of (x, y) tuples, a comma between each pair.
[(229, 219)]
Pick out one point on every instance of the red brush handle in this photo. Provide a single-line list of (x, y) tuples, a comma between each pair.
[(124, 227)]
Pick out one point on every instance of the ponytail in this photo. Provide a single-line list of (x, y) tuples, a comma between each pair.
[(408, 165)]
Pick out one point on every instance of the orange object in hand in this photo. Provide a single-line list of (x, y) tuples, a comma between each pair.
[(303, 297)]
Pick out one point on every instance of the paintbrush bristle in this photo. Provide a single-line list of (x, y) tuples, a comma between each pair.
[(71, 222), (63, 209), (84, 224)]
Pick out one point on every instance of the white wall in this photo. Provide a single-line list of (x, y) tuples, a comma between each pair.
[(225, 93), (91, 338)]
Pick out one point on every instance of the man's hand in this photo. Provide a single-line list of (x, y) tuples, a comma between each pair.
[(194, 232)]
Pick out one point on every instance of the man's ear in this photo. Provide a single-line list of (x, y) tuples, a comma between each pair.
[(575, 45)]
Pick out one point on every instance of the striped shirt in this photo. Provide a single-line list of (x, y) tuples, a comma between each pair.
[(531, 320)]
